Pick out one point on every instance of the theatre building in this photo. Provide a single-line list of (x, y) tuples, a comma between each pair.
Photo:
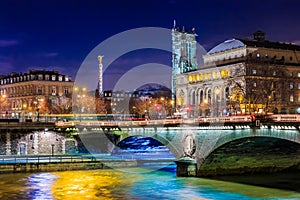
[(239, 76)]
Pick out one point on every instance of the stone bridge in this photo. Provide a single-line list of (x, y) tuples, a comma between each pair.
[(216, 150)]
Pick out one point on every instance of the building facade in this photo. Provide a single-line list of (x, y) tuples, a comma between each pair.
[(28, 94), (243, 76)]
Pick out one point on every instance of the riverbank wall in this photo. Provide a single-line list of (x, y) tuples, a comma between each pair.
[(64, 166)]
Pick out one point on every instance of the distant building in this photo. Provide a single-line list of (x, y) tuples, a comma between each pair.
[(32, 92), (243, 76)]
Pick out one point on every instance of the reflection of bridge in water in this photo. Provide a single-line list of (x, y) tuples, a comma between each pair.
[(200, 148)]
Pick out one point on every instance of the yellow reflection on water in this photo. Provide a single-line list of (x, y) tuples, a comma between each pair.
[(90, 184)]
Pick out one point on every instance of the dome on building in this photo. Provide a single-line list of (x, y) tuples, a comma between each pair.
[(226, 45)]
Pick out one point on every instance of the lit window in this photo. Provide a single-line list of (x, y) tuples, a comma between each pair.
[(40, 77), (298, 86), (291, 85), (53, 78), (298, 98), (266, 55), (291, 74), (60, 78), (254, 71), (53, 91), (66, 78), (274, 73), (258, 55), (291, 98), (47, 77), (298, 75), (254, 84)]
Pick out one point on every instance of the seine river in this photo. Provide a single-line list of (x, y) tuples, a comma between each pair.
[(133, 183)]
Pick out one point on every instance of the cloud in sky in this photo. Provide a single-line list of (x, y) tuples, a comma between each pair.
[(51, 54), (8, 43), (296, 42)]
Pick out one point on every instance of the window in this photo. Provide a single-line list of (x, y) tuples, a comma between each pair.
[(298, 98), (60, 78), (53, 78), (291, 85), (53, 91), (67, 91), (47, 77), (298, 75), (298, 86), (266, 55), (291, 58), (291, 98), (66, 78), (254, 84), (274, 73), (40, 77), (39, 90), (291, 74), (257, 55), (254, 71)]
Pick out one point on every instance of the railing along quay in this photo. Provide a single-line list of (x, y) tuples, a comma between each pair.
[(43, 159)]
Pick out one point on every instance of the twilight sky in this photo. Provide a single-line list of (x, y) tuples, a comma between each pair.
[(59, 34)]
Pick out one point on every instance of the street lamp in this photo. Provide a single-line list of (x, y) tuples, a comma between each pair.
[(38, 106)]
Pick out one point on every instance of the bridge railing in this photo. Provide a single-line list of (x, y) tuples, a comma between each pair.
[(43, 159)]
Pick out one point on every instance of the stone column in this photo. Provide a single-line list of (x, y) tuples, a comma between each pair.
[(8, 144)]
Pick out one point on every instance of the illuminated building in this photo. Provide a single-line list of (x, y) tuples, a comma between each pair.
[(243, 76), (34, 92), (183, 53)]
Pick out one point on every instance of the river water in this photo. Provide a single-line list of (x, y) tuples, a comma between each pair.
[(132, 183)]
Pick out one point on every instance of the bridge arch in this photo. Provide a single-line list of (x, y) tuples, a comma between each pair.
[(261, 151), (290, 135), (174, 150)]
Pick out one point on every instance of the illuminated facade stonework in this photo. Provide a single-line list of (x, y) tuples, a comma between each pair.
[(243, 76), (26, 93), (183, 53)]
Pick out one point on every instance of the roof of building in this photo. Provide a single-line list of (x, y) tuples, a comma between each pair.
[(226, 45), (258, 41)]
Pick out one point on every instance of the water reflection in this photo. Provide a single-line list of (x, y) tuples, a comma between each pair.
[(135, 183), (39, 186)]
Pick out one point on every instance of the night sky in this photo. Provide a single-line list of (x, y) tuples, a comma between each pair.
[(59, 34)]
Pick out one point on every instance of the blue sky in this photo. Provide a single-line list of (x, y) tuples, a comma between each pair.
[(59, 34)]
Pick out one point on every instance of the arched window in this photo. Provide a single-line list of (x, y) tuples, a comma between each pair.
[(201, 96), (209, 96)]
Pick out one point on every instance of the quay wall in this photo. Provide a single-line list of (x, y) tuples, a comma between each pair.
[(64, 166)]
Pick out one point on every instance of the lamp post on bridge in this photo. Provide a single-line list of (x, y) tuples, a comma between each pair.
[(80, 97)]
